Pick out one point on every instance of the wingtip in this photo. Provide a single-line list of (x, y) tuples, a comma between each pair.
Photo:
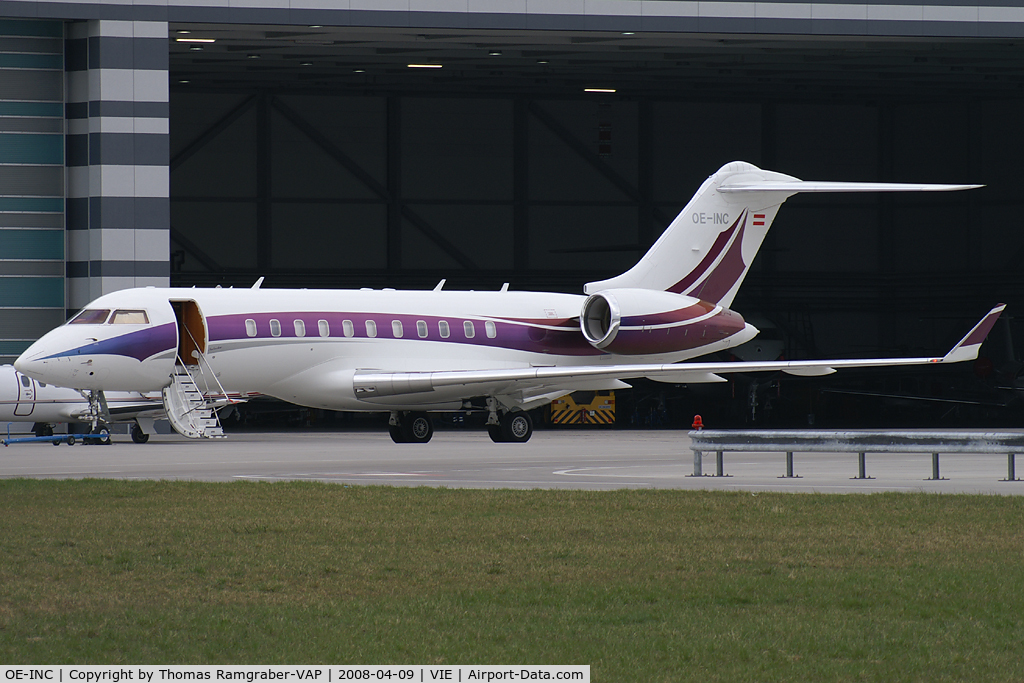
[(968, 347)]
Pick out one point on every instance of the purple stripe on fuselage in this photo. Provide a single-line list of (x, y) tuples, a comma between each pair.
[(140, 345), (508, 335)]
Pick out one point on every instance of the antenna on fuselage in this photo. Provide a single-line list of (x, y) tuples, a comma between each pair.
[(258, 283), (440, 285)]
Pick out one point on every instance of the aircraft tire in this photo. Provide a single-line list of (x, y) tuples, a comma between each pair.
[(139, 436), (516, 427), (494, 431), (100, 435), (418, 427), (397, 433)]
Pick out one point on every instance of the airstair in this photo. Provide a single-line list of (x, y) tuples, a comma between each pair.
[(194, 394), (187, 407)]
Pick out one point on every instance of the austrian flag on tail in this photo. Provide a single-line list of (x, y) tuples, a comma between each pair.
[(758, 219)]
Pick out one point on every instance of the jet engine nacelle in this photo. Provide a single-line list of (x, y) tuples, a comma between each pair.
[(645, 321)]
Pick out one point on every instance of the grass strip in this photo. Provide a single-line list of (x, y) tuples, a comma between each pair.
[(642, 585)]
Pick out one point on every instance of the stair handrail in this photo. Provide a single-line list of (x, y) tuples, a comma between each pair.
[(201, 357), (181, 394)]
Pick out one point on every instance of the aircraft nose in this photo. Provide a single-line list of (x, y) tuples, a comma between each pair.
[(31, 362)]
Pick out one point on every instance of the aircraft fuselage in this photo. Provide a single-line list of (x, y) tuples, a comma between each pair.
[(305, 346)]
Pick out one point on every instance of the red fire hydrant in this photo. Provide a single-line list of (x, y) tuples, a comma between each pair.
[(698, 424)]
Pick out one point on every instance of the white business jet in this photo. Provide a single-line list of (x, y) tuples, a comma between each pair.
[(410, 352), (23, 399)]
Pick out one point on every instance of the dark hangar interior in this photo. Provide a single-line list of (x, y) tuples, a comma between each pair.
[(322, 156)]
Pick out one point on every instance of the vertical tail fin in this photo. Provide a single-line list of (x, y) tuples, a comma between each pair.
[(707, 250)]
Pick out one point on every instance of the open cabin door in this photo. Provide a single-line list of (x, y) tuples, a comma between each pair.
[(191, 331)]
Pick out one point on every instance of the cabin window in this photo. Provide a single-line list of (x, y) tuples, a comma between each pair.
[(491, 329), (91, 316), (348, 328), (300, 328), (275, 328), (421, 328), (250, 327), (468, 328), (325, 328), (25, 381), (371, 328), (396, 328), (126, 317), (442, 327)]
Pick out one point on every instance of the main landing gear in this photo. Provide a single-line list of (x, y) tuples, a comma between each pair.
[(410, 427), (139, 436), (508, 426), (513, 428), (416, 427)]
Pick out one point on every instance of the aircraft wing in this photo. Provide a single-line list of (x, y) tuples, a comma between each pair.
[(372, 383)]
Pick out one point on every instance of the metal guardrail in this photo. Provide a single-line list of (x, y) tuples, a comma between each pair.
[(860, 442)]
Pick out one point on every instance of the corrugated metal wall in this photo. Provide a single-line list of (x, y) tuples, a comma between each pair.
[(31, 182)]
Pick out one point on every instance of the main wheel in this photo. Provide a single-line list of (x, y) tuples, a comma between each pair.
[(516, 427), (139, 436), (494, 431), (397, 433), (418, 427)]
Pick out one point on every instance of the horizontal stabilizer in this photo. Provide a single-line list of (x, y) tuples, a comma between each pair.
[(795, 186)]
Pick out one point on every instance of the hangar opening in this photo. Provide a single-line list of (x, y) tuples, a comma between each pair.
[(327, 156)]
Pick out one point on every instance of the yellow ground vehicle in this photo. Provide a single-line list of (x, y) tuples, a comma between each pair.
[(584, 407)]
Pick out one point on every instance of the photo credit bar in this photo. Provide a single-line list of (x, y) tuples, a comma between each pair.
[(318, 673)]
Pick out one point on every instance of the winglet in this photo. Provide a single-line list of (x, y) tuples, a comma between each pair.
[(968, 347)]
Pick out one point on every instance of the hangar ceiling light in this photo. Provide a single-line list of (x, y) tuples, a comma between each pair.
[(698, 67)]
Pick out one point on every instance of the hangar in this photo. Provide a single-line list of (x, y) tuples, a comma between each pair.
[(397, 142)]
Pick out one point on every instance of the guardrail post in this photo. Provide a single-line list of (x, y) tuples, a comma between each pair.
[(698, 464), (862, 467), (789, 467), (1011, 467), (935, 468), (720, 464)]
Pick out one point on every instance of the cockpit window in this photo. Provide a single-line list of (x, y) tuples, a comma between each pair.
[(90, 316), (128, 317)]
